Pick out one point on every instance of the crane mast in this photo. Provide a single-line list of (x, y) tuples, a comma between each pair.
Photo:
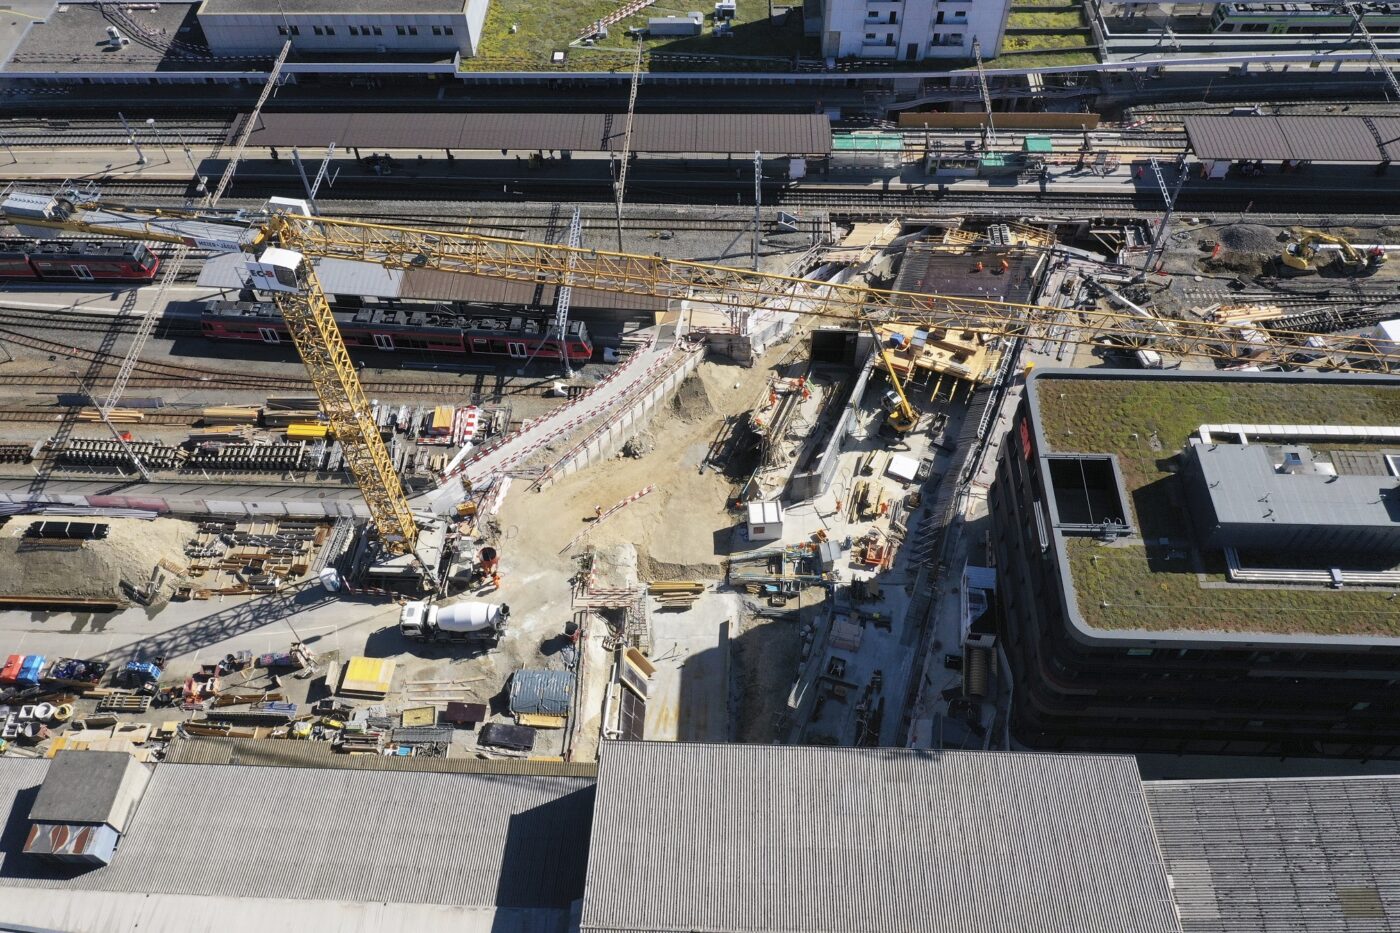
[(319, 343)]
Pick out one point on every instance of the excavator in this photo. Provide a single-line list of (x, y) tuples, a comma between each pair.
[(1299, 257), (283, 239)]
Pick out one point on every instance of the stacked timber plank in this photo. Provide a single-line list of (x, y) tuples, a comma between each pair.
[(680, 594), (115, 416), (229, 414)]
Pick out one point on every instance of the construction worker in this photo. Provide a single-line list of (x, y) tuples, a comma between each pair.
[(495, 580), (597, 512)]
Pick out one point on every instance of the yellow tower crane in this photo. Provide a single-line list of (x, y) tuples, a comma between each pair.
[(284, 240)]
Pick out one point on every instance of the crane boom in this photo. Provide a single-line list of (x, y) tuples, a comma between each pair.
[(742, 290), (285, 243)]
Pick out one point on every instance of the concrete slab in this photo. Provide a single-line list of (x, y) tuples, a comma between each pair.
[(690, 690)]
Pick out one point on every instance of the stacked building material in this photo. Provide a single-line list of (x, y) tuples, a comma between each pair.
[(676, 593)]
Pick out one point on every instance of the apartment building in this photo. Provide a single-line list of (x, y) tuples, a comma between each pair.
[(912, 30)]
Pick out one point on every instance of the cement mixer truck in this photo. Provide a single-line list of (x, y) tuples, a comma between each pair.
[(477, 623)]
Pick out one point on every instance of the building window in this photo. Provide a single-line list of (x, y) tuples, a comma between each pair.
[(447, 30), (413, 30), (874, 14), (379, 30), (960, 14), (354, 30), (281, 30), (401, 31), (318, 30), (437, 30), (330, 30), (889, 39), (870, 35), (296, 30), (894, 17)]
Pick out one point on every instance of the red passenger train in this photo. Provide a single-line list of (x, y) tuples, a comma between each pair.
[(75, 261), (433, 330)]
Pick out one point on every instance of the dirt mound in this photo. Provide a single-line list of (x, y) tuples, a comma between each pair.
[(692, 401), (88, 569), (649, 569)]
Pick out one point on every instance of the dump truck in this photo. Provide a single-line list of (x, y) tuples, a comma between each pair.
[(477, 622)]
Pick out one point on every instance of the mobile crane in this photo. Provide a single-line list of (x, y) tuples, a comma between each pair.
[(283, 239), (902, 417)]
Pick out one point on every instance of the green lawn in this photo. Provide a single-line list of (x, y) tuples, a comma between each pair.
[(543, 29), (1044, 60), (1044, 21), (1156, 587), (1044, 43)]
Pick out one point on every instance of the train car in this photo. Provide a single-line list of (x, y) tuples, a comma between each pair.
[(75, 261), (1287, 18), (430, 330)]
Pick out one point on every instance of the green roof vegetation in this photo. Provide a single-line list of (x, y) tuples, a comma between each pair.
[(757, 45), (545, 28), (1039, 20), (1152, 585)]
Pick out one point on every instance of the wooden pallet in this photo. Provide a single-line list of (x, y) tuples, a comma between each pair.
[(129, 703)]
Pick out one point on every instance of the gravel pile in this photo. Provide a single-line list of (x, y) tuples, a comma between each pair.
[(1249, 238)]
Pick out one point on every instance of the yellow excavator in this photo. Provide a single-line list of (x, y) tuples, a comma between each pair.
[(1299, 257), (902, 417)]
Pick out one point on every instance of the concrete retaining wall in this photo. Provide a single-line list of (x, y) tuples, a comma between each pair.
[(814, 482), (628, 422), (196, 499)]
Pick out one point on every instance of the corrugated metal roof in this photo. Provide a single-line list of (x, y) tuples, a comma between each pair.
[(772, 838), (324, 834), (107, 912), (1313, 854), (1273, 139), (541, 691), (712, 133), (278, 753), (1388, 128)]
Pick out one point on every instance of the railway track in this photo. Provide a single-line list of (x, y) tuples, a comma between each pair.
[(167, 376), (58, 415), (31, 132)]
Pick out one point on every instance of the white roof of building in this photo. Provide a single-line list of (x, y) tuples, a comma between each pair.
[(765, 513)]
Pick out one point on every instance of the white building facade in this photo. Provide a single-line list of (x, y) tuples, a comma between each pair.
[(912, 30), (246, 27)]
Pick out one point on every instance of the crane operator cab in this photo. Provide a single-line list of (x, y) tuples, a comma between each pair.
[(276, 270)]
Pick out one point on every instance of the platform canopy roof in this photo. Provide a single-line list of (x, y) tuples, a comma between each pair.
[(708, 133), (1306, 139)]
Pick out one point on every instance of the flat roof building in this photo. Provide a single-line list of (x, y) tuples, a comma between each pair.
[(727, 839), (1201, 562), (244, 27), (759, 839), (309, 848)]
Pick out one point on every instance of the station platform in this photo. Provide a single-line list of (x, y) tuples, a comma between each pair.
[(428, 172)]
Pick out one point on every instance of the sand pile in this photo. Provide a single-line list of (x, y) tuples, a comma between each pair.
[(88, 569), (692, 402)]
